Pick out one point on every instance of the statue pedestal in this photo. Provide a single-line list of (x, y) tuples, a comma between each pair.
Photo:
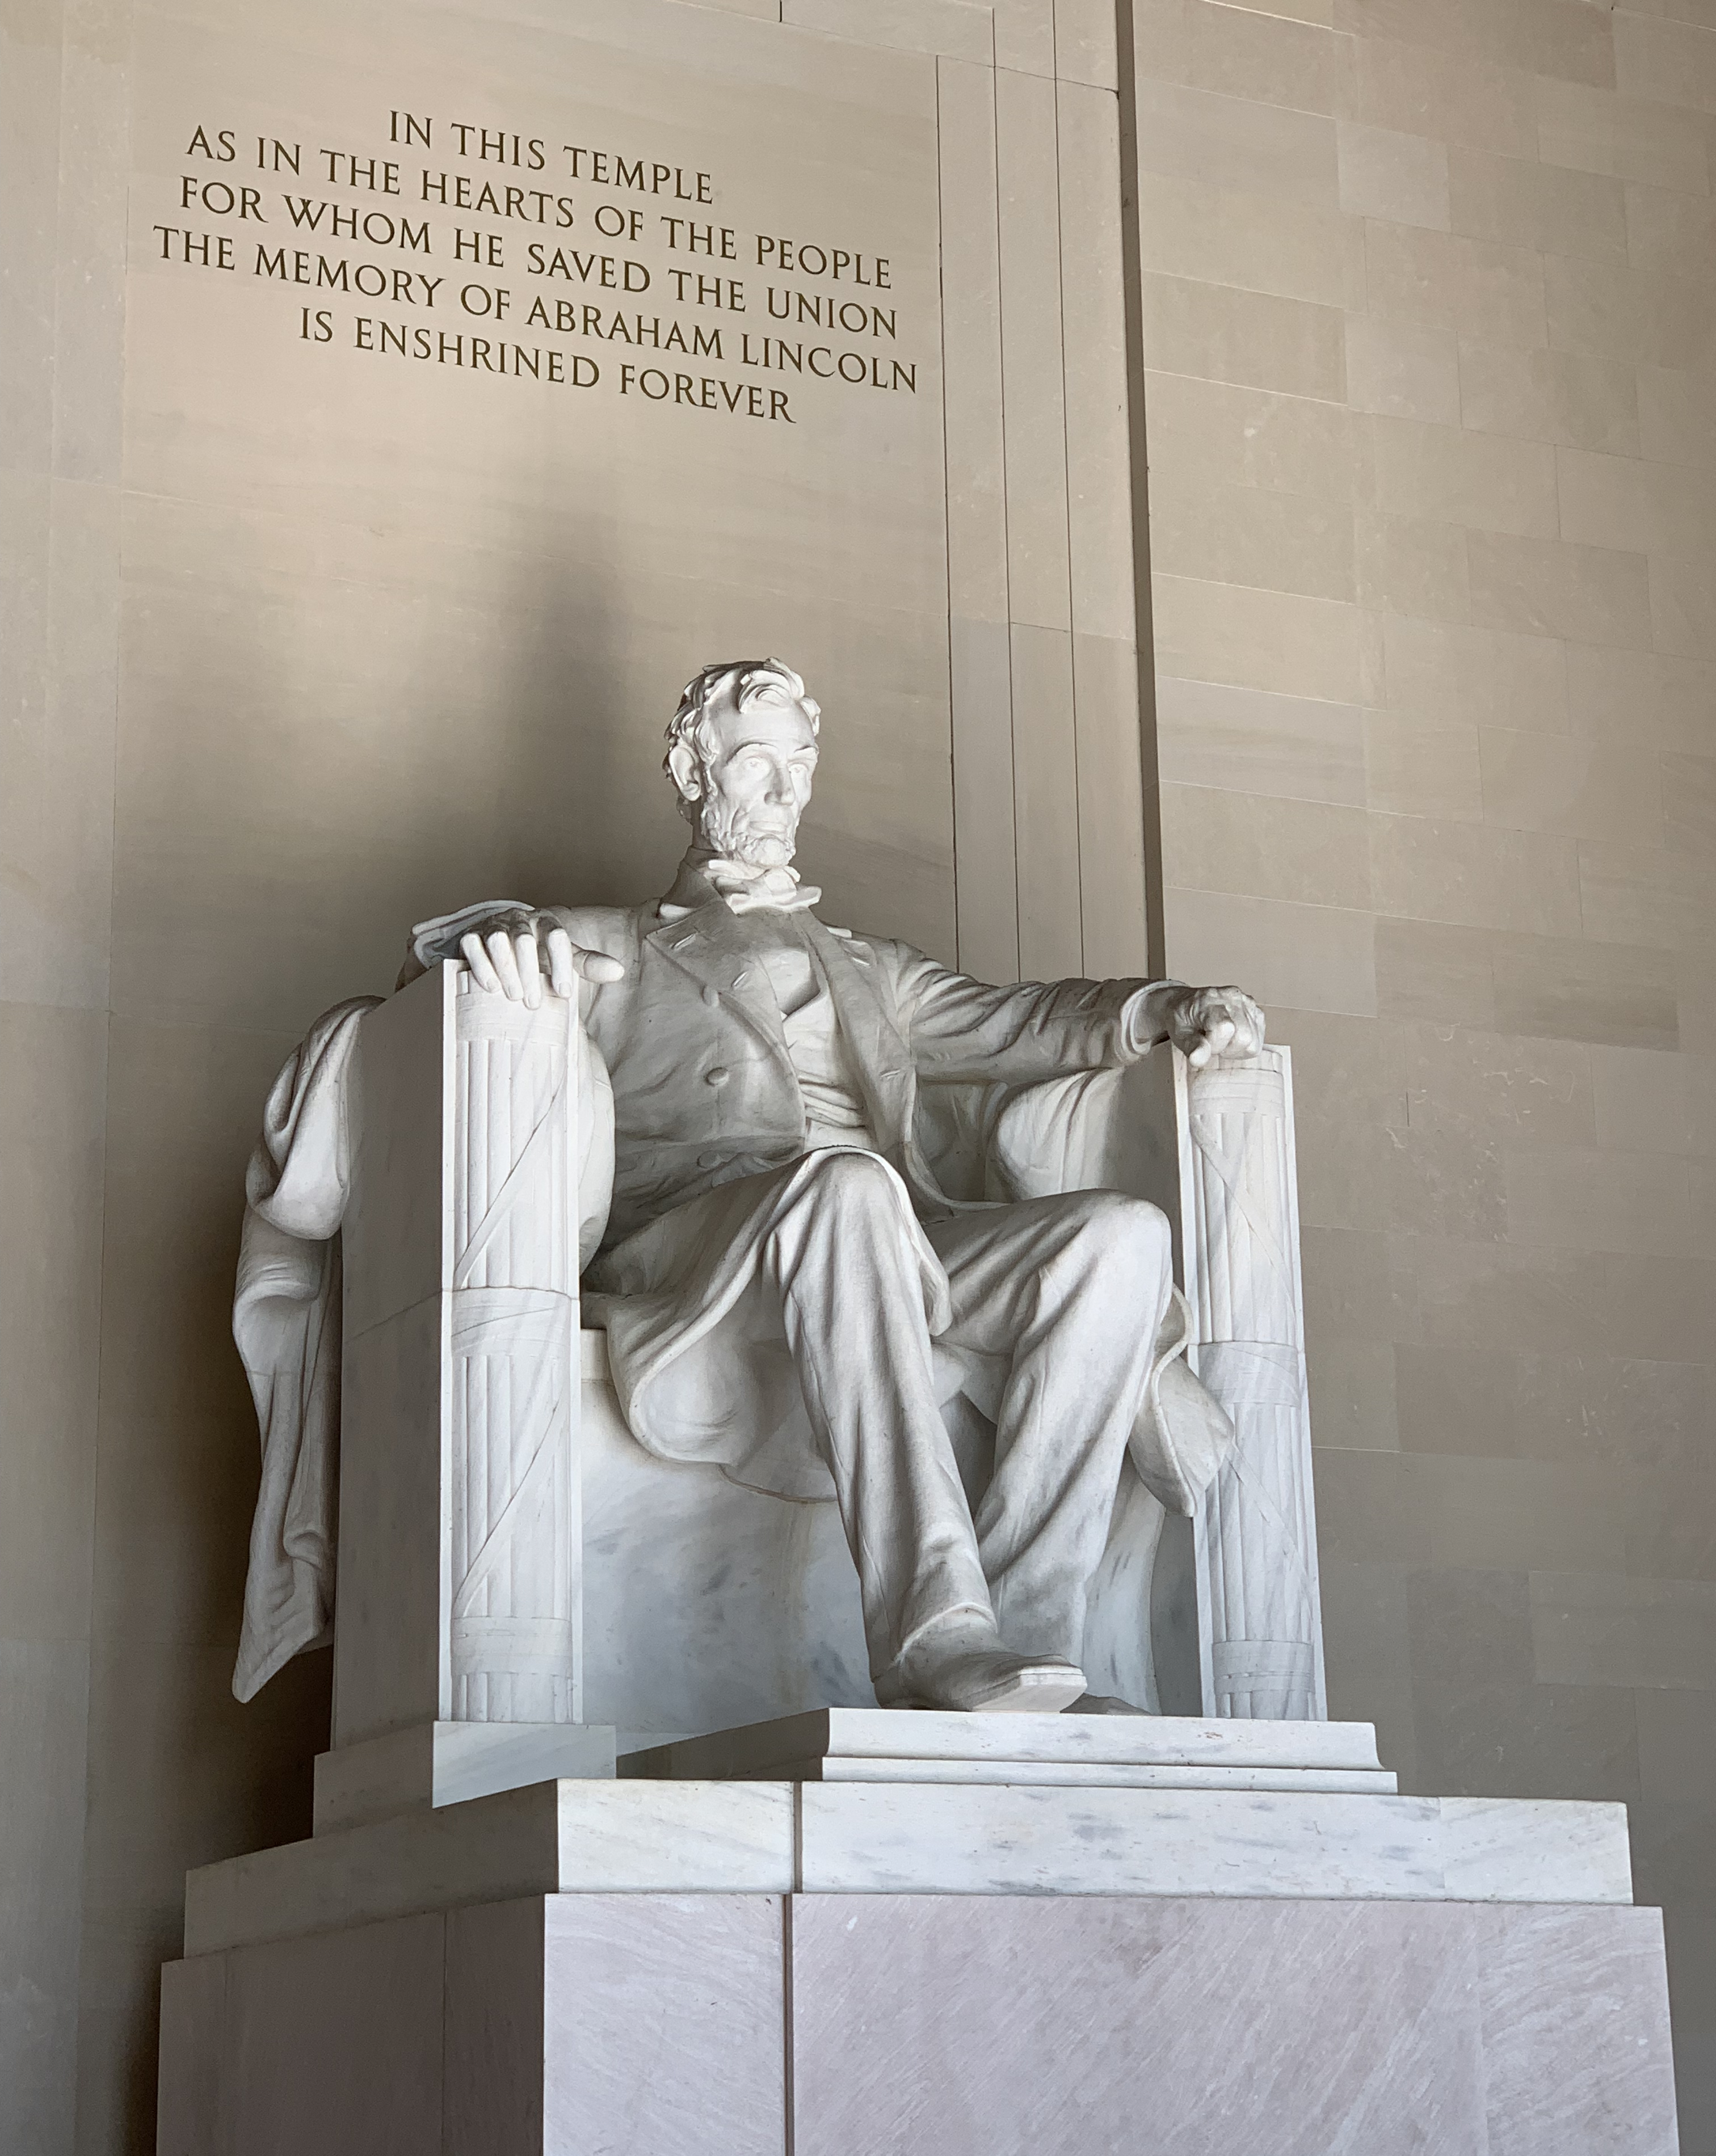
[(841, 1962), (553, 1902)]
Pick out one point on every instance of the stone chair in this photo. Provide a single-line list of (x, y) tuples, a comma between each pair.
[(515, 1571)]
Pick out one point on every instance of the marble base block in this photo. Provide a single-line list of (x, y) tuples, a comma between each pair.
[(738, 2025), (449, 1763), (594, 1836)]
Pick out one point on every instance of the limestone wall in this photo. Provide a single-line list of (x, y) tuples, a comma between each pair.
[(1429, 309)]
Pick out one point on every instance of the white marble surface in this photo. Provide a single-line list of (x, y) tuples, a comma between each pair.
[(692, 1837), (1522, 1848), (894, 1738), (449, 1763), (1050, 1773), (1262, 1655), (1228, 2028), (1575, 2032), (858, 1837), (736, 2024), (664, 2025), (706, 1603), (917, 1839), (574, 1837)]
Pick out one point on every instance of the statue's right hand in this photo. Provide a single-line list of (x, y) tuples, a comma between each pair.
[(510, 958)]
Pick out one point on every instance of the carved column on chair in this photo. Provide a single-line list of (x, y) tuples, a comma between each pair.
[(1261, 1627), (513, 1487)]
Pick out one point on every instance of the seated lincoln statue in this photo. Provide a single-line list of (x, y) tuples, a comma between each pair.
[(770, 1193)]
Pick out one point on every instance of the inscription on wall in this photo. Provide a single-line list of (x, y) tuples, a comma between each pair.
[(591, 266)]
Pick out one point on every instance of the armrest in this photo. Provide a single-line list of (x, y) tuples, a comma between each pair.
[(1262, 1630)]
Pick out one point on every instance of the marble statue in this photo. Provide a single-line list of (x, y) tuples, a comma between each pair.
[(787, 1292)]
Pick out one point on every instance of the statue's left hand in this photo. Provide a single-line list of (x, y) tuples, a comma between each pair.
[(1209, 1024)]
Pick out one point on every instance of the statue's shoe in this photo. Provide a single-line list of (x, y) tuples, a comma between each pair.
[(969, 1680), (1103, 1703)]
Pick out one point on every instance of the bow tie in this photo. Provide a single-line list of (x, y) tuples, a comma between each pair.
[(748, 889)]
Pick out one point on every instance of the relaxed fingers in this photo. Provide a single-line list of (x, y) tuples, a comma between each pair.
[(506, 964), (562, 975), (481, 972), (530, 967)]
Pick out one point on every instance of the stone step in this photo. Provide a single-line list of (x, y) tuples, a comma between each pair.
[(748, 1837), (1070, 1774), (1116, 1751)]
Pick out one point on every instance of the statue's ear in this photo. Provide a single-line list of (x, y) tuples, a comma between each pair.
[(682, 764)]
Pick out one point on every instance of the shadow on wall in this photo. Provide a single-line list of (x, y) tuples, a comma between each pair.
[(485, 777)]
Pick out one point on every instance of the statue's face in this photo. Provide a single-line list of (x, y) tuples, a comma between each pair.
[(753, 782)]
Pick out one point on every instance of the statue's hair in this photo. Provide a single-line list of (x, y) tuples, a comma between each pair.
[(751, 682)]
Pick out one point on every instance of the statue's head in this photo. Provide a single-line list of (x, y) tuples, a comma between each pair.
[(742, 751)]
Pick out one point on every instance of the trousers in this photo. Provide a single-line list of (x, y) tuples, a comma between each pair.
[(1056, 1306)]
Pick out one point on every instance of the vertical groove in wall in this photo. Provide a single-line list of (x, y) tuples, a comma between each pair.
[(953, 682), (980, 661), (1131, 270), (1006, 509), (1078, 835), (1040, 600)]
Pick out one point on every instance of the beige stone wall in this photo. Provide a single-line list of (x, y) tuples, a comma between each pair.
[(1429, 310), (60, 372)]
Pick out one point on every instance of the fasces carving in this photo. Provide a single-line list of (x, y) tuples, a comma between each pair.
[(1262, 1632), (513, 1527)]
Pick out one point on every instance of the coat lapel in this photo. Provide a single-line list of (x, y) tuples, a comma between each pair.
[(710, 945), (880, 1056), (706, 944)]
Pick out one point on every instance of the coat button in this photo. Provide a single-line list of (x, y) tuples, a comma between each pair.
[(710, 1159), (716, 1077), (710, 996)]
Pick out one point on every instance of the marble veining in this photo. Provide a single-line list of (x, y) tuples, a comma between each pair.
[(887, 1838), (1574, 2012), (674, 2025), (1211, 2028), (914, 1838)]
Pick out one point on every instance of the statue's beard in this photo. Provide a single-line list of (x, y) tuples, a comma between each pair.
[(730, 834)]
